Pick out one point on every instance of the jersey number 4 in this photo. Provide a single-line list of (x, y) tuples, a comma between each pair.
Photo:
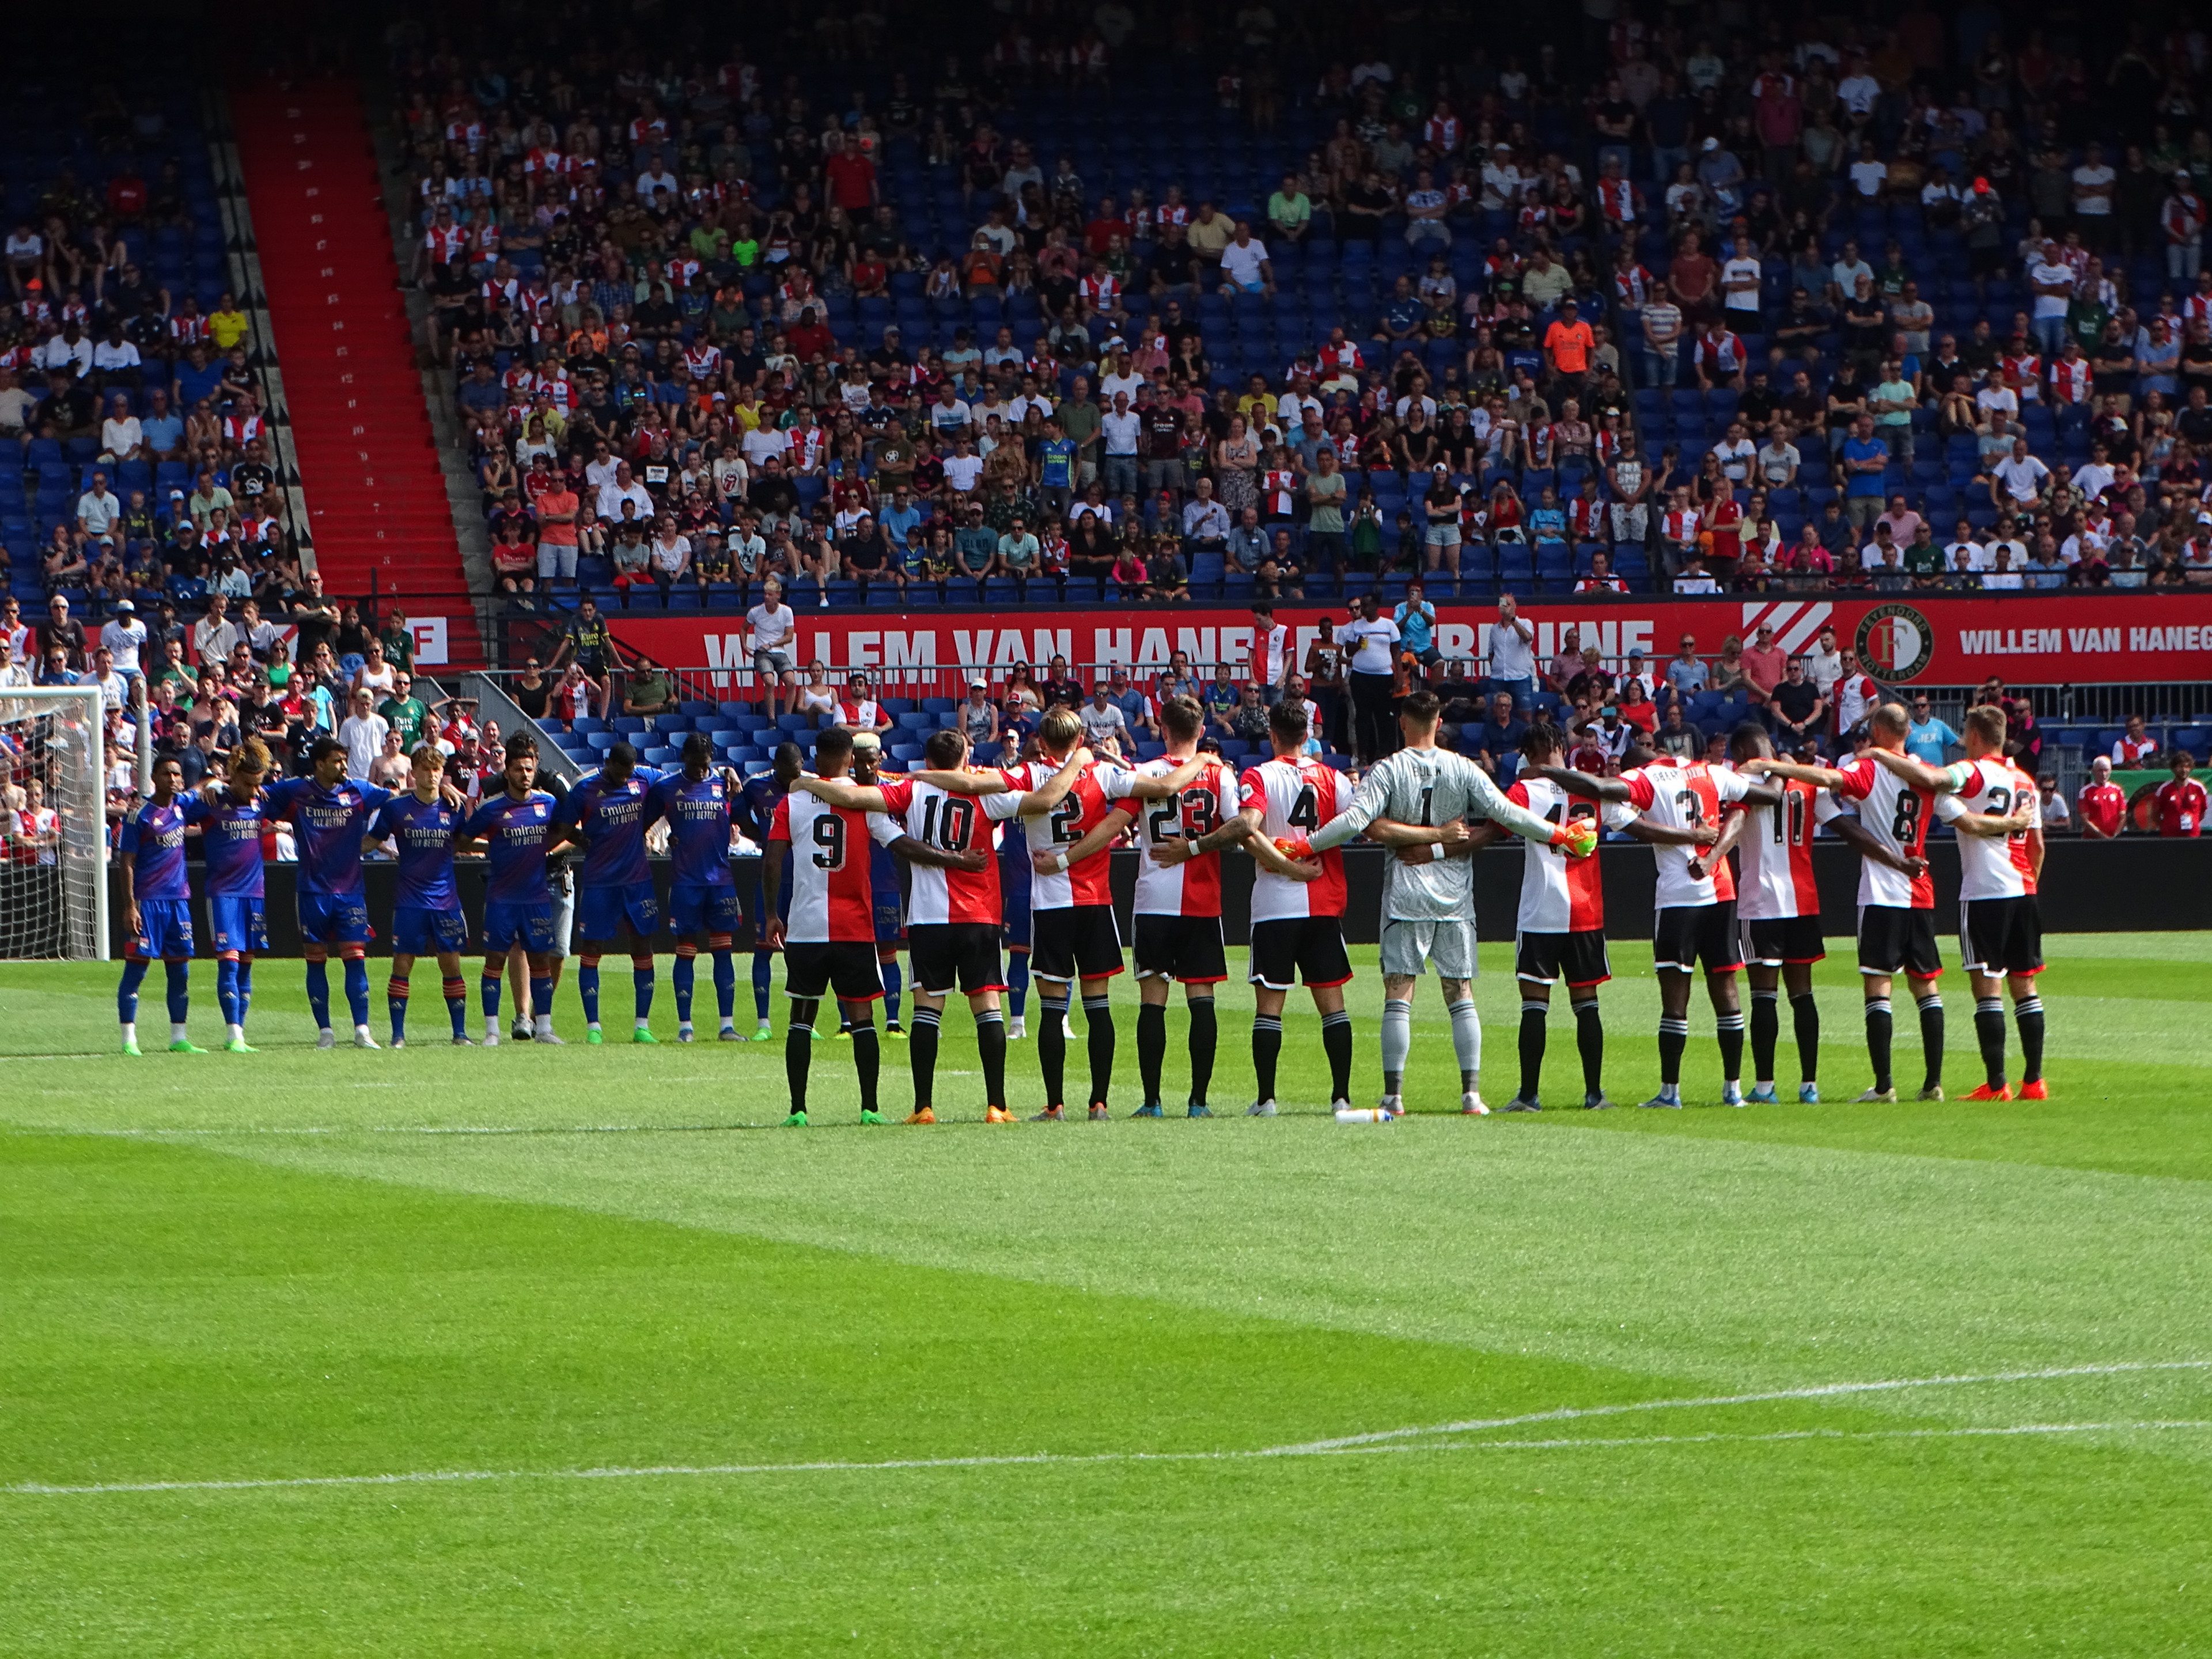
[(1305, 810)]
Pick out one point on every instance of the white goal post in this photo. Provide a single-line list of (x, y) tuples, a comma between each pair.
[(53, 824)]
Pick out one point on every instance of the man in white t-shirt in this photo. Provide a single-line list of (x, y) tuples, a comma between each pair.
[(1122, 428), (774, 627), (1513, 653), (2092, 196), (1244, 265), (2052, 279), (2018, 480), (624, 488), (125, 636), (1368, 641)]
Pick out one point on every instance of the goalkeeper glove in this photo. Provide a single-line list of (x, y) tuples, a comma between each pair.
[(1578, 836), (1298, 848)]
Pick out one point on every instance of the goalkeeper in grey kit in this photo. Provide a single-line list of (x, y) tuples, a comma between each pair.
[(1417, 802)]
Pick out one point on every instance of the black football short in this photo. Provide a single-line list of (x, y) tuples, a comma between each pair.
[(1687, 935), (1074, 941), (811, 971), (1893, 940), (2000, 936), (1578, 957), (946, 956), (1299, 948), (1186, 948), (1779, 941)]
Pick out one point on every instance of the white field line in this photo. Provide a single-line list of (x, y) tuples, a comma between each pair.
[(1389, 1442), (1821, 1391)]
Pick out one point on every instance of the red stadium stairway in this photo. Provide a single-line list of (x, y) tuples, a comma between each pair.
[(369, 464)]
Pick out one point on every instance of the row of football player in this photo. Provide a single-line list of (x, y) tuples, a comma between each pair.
[(1074, 809)]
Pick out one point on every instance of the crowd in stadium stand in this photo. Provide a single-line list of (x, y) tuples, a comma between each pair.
[(1904, 306)]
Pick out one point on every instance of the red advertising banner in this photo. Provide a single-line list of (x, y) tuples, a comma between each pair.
[(2095, 639)]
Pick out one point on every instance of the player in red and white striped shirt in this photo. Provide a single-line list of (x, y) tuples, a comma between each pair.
[(954, 910), (1178, 912), (830, 941), (1297, 905), (1998, 815), (1560, 930), (1071, 899), (1778, 908), (1897, 896), (1695, 923)]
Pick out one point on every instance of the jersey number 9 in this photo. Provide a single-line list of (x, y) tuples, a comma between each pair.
[(830, 838)]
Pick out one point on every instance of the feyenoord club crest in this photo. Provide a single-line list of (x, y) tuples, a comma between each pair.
[(1895, 641)]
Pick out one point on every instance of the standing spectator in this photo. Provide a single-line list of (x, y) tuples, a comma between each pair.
[(774, 628), (2102, 804), (362, 732)]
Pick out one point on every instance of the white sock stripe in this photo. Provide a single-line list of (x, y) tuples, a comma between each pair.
[(2033, 1005), (1674, 1028), (1766, 996), (1989, 1005), (1729, 1023), (990, 1017), (1878, 1006), (1266, 1022), (1095, 1005), (1341, 1017), (1932, 1003), (1394, 1006), (927, 1016), (1535, 1007)]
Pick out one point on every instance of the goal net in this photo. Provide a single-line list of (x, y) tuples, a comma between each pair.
[(53, 824)]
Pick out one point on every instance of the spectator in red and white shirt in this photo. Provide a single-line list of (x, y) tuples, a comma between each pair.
[(2182, 218), (2102, 804), (2181, 801), (859, 711), (2136, 747)]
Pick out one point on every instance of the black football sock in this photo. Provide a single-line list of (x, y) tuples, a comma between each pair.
[(1052, 1043), (1589, 1038), (798, 1049), (1534, 1015), (1932, 1037), (1878, 1023), (868, 1058), (1729, 1027), (1765, 1033), (1205, 1036), (1674, 1037), (991, 1049), (1990, 1034), (2029, 1012), (1098, 1031), (1805, 1016), (1336, 1043), (921, 1057), (1151, 1047), (1266, 1049)]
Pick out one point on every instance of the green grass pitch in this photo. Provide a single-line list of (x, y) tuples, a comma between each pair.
[(567, 1352)]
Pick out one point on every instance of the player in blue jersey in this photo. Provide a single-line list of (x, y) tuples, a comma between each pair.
[(160, 913), (887, 903), (230, 818), (757, 799), (698, 803), (516, 826), (328, 811), (422, 826), (614, 889)]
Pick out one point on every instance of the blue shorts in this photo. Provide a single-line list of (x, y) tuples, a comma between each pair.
[(326, 919), (237, 924), (417, 931), (694, 909), (601, 912), (529, 926), (165, 929), (1014, 897)]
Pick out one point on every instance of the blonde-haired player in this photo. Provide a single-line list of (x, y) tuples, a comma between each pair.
[(1994, 807)]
